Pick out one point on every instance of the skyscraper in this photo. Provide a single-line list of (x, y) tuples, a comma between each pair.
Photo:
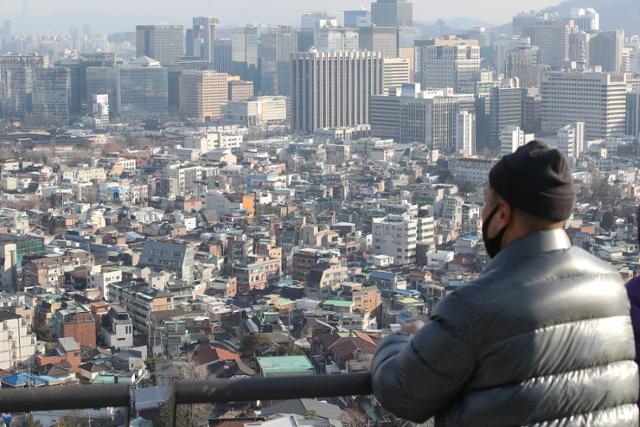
[(202, 93), (357, 18), (222, 56), (203, 38), (605, 50), (52, 96), (332, 89), (523, 63), (164, 43), (412, 115), (331, 38), (633, 114), (586, 19), (551, 35), (597, 99), (104, 81), (16, 82), (447, 62), (144, 89), (276, 47), (379, 39), (392, 13), (506, 110), (245, 45)]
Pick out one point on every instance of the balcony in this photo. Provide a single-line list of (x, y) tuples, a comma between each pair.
[(93, 396)]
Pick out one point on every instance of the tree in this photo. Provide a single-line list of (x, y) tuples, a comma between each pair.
[(608, 221), (253, 345), (186, 415), (43, 333), (288, 349)]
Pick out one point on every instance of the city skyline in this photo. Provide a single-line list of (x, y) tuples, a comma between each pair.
[(74, 12)]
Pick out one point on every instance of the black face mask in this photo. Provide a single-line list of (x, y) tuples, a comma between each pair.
[(493, 244)]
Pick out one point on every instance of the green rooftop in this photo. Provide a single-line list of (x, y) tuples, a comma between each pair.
[(285, 365), (338, 303)]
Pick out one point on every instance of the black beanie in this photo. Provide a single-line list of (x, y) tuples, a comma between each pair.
[(537, 180)]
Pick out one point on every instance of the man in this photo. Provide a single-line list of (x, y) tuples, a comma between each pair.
[(543, 337)]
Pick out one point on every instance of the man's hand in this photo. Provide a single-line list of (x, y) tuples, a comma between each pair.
[(412, 327)]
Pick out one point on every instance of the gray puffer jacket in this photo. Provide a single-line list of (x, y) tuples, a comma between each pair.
[(542, 338)]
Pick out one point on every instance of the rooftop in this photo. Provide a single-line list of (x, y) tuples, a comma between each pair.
[(279, 365)]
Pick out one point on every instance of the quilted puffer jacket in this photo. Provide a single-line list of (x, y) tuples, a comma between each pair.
[(542, 338)]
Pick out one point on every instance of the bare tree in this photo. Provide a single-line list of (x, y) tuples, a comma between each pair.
[(186, 415)]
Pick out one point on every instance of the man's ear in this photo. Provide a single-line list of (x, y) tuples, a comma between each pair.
[(506, 213)]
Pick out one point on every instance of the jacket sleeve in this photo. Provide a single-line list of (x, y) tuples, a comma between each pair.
[(416, 378)]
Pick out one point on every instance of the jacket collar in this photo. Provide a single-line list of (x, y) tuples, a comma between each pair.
[(536, 243)]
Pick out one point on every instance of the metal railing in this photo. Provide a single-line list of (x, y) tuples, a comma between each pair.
[(185, 392)]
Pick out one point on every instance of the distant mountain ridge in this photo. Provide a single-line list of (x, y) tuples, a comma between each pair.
[(614, 14)]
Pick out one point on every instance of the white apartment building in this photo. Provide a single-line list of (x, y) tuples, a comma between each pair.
[(396, 236), (466, 134), (512, 137), (597, 99), (17, 343), (570, 139), (472, 170)]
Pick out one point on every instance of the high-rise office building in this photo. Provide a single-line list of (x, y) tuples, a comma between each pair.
[(447, 62), (605, 50), (164, 43), (506, 110), (393, 13), (412, 115), (523, 63), (104, 81), (597, 99), (277, 45), (551, 34), (222, 56), (202, 93), (332, 89), (144, 89), (466, 134), (633, 114), (239, 90), (357, 18), (203, 36), (311, 20), (379, 39), (586, 19), (245, 48), (52, 96), (397, 71), (16, 83), (331, 39), (511, 138)]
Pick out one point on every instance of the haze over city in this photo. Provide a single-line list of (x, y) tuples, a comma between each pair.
[(121, 14)]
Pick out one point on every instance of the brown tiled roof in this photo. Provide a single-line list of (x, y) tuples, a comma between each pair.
[(345, 347)]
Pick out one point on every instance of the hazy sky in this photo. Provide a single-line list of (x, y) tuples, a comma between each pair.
[(120, 14)]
